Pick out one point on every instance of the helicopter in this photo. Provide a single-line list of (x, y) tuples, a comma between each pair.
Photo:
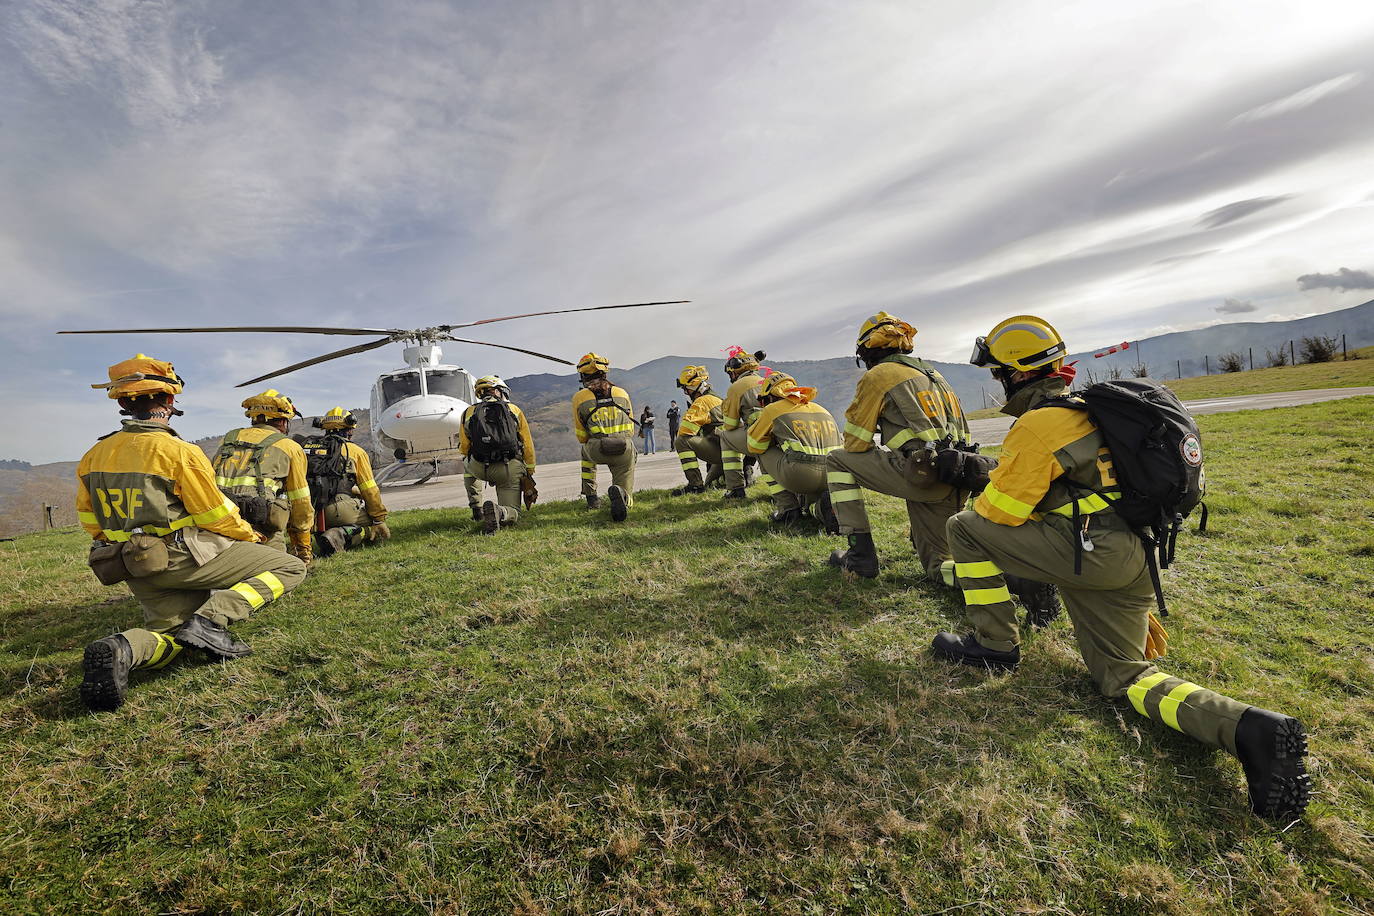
[(416, 410)]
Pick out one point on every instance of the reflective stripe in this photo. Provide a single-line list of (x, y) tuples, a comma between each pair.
[(906, 435), (729, 422), (766, 478), (858, 432), (732, 465), (267, 482), (250, 594), (689, 427), (775, 488), (948, 573), (88, 518), (589, 475), (1136, 692), (986, 595), (834, 477), (757, 446), (272, 582), (302, 493), (119, 535), (1168, 707), (597, 428), (1008, 504), (792, 445), (210, 516), (844, 496), (1088, 504), (979, 570), (167, 649)]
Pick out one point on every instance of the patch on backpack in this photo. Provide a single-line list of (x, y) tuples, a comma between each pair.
[(1192, 450)]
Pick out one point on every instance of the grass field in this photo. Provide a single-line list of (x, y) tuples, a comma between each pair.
[(688, 713)]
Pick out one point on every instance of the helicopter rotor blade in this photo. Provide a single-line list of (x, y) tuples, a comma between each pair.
[(592, 308), (244, 330), (485, 343), (346, 351)]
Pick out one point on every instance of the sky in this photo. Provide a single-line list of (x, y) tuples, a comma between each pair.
[(1121, 169)]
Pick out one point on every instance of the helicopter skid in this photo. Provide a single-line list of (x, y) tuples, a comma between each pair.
[(427, 470)]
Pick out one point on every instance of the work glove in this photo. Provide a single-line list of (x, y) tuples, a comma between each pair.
[(1156, 640), (378, 531), (528, 490)]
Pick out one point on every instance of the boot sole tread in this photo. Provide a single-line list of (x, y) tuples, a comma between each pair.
[(1290, 785), (99, 691), (619, 510)]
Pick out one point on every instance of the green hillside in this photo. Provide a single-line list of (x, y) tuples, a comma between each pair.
[(688, 713)]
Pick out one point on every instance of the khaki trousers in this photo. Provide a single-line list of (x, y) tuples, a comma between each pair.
[(504, 476), (704, 447), (1109, 604), (794, 483), (622, 467), (906, 475), (240, 580)]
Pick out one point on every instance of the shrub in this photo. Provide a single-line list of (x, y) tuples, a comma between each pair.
[(1275, 358), (1319, 349), (1140, 370), (1231, 362)]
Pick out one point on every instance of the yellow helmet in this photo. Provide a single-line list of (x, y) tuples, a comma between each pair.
[(141, 376), (693, 377), (740, 361), (883, 331), (487, 383), (1022, 342), (593, 364), (271, 405), (338, 418), (776, 384)]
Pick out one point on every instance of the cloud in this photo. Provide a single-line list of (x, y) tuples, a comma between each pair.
[(1343, 279), (1236, 307), (1302, 98), (1239, 210)]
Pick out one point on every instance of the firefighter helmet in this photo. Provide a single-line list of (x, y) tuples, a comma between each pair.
[(1022, 342), (693, 377), (740, 361), (489, 383), (270, 405), (883, 331), (338, 418), (776, 384), (593, 364), (142, 375)]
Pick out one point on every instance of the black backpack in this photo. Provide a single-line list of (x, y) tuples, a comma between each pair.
[(1157, 455), (493, 432), (326, 467)]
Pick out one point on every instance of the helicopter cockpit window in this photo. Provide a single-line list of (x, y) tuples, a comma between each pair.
[(399, 387), (450, 383)]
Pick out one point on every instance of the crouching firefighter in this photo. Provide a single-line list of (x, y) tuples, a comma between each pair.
[(697, 439), (792, 437), (603, 421), (159, 522), (262, 470), (907, 404), (738, 412), (1053, 511), (498, 449), (335, 469)]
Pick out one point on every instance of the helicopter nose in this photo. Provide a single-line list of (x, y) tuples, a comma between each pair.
[(422, 416)]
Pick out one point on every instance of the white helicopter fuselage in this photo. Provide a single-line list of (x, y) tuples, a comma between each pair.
[(417, 412)]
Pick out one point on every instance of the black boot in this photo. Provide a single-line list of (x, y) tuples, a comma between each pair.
[(204, 634), (689, 488), (733, 493), (966, 650), (861, 558), (1271, 748), (476, 513), (491, 519), (105, 673), (825, 513), (593, 501), (1041, 599), (620, 506)]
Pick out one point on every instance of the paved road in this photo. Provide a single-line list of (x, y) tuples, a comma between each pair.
[(661, 470)]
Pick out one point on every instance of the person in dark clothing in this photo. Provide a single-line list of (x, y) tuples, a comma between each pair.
[(646, 429), (674, 415)]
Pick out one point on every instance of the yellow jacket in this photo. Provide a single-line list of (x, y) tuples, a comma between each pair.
[(145, 477), (360, 467), (806, 430), (611, 418), (526, 440), (283, 467), (904, 399), (705, 411), (737, 406), (1045, 448)]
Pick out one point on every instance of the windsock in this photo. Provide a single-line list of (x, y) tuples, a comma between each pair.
[(1124, 345)]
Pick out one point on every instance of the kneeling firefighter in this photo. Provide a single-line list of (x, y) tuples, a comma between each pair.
[(697, 440), (158, 521), (263, 472), (1050, 512), (498, 449), (909, 405), (792, 437), (336, 467), (738, 412), (603, 421)]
